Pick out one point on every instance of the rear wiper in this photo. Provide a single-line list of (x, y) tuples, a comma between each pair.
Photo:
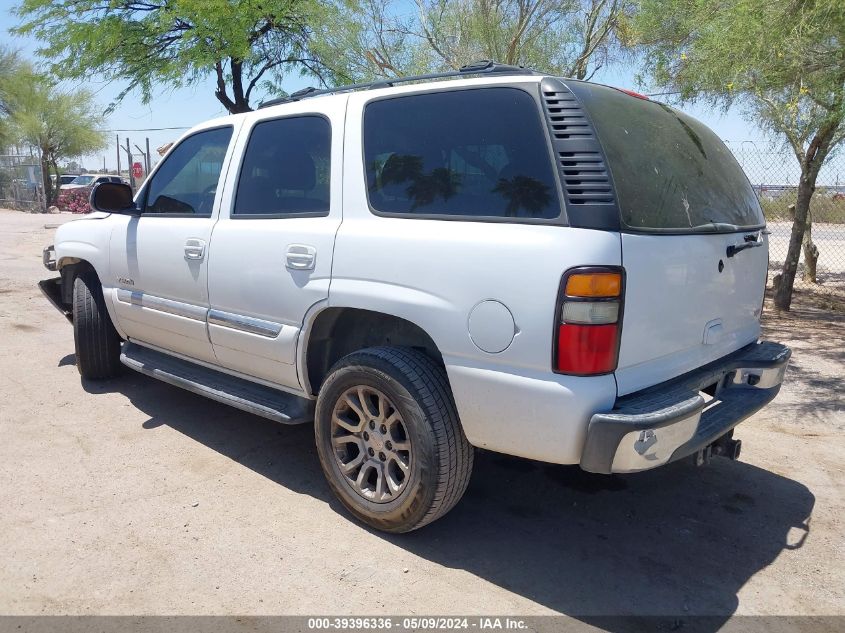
[(717, 227)]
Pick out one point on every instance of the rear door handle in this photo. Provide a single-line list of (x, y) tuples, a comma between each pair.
[(194, 248), (301, 257)]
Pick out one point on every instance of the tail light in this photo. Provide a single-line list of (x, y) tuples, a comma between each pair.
[(588, 321)]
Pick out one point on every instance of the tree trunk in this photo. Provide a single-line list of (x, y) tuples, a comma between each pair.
[(45, 179), (239, 103), (55, 190), (811, 252), (806, 186), (811, 162)]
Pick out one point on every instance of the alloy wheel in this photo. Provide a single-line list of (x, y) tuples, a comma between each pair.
[(370, 444)]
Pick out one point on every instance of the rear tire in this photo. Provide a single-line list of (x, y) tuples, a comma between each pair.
[(389, 439), (96, 341)]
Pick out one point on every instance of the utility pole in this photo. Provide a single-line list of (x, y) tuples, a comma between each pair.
[(117, 142), (146, 161), (128, 151), (129, 158), (150, 157)]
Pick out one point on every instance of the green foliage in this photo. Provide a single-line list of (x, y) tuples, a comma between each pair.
[(174, 43), (381, 38), (783, 60), (12, 67), (59, 124)]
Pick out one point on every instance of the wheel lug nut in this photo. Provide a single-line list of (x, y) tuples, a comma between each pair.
[(382, 456), (389, 445), (383, 428), (366, 435), (372, 424), (371, 452)]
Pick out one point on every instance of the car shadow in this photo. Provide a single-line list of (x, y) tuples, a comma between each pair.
[(675, 542)]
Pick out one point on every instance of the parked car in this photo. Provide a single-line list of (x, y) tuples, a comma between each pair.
[(81, 186), (502, 259), (87, 180), (66, 179)]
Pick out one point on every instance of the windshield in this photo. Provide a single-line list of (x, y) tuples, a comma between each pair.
[(671, 173), (82, 180)]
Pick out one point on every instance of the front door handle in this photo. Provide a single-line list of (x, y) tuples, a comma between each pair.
[(301, 257), (194, 249)]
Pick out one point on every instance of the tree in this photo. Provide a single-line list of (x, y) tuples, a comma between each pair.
[(11, 66), (148, 43), (58, 124), (784, 62), (574, 38)]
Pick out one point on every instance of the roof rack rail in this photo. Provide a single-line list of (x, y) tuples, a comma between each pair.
[(481, 67)]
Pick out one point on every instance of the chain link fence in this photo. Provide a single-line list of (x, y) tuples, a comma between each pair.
[(774, 175), (20, 182)]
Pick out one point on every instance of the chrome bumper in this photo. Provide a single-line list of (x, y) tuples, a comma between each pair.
[(673, 420), (48, 257)]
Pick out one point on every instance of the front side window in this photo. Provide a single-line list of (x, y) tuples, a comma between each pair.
[(286, 168), (82, 180), (187, 179), (480, 153)]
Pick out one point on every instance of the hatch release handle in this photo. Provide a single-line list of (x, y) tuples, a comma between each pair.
[(750, 241)]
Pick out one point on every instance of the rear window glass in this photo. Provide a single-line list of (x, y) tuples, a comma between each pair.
[(478, 153), (670, 171)]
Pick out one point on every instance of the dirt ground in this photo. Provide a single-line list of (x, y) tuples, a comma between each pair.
[(134, 497)]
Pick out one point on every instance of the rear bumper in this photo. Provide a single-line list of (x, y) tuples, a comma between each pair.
[(673, 420)]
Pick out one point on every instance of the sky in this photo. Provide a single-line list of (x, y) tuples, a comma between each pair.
[(183, 108)]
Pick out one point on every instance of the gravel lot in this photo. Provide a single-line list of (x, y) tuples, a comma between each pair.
[(131, 496)]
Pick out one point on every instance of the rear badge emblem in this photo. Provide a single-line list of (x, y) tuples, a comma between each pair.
[(125, 281)]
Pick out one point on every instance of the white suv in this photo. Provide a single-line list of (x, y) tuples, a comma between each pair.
[(499, 259)]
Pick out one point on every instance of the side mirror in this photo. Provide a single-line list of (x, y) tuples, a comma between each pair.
[(112, 197)]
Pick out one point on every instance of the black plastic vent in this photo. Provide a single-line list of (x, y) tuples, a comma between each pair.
[(565, 116), (585, 178), (587, 184)]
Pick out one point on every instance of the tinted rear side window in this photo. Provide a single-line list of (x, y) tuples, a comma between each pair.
[(286, 168), (670, 171), (479, 153)]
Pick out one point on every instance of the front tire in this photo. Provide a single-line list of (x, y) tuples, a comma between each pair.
[(96, 341), (389, 438)]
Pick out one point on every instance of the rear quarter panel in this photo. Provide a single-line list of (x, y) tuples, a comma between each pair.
[(435, 272)]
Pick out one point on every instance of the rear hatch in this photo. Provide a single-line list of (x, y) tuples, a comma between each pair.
[(693, 244)]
